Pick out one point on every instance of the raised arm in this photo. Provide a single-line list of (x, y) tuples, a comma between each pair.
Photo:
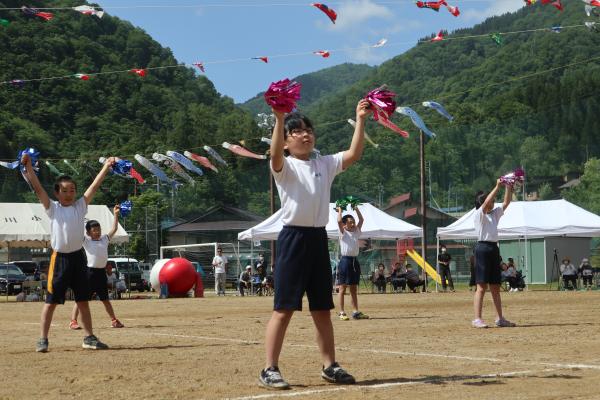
[(357, 145), (91, 191), (507, 196), (35, 182), (277, 141), (115, 224), (488, 204), (339, 220), (360, 218)]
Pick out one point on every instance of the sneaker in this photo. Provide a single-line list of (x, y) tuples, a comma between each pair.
[(92, 342), (74, 325), (359, 315), (478, 323), (343, 316), (336, 374), (504, 323), (42, 345), (271, 378), (115, 323)]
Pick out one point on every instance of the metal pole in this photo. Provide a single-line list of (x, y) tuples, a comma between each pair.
[(423, 205), (7, 261)]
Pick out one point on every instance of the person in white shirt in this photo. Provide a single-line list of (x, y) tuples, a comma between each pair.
[(348, 267), (96, 250), (302, 262), (219, 264), (487, 253), (569, 274), (68, 266)]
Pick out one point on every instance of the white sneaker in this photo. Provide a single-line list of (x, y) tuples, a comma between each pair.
[(478, 323)]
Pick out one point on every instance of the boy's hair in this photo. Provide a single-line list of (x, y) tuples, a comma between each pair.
[(91, 224), (443, 246), (345, 218), (61, 179), (295, 120), (480, 199)]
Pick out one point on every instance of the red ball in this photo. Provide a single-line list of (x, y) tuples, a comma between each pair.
[(179, 274)]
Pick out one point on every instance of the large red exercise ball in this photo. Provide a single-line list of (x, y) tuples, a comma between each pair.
[(158, 264), (179, 274)]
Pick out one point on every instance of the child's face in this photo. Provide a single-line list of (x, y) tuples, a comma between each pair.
[(350, 224), (300, 142), (95, 232), (66, 193)]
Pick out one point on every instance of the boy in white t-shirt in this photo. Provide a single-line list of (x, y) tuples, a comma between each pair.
[(96, 250), (302, 262), (348, 267), (68, 266)]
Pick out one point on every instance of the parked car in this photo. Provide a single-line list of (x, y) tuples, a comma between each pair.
[(128, 270), (11, 279), (28, 267)]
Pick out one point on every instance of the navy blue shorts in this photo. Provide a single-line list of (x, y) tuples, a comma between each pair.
[(67, 270), (348, 271), (98, 283), (487, 263), (302, 265)]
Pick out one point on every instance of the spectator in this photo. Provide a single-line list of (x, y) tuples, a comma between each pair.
[(379, 278), (569, 274), (220, 267), (413, 280), (398, 277), (444, 266), (587, 273), (509, 274), (260, 266), (244, 281)]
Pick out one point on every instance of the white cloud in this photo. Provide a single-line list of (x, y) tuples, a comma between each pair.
[(366, 55), (352, 14), (496, 8)]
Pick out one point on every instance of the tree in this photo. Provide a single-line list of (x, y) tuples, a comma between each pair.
[(587, 193)]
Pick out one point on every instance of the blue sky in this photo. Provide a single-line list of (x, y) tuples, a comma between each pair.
[(225, 34)]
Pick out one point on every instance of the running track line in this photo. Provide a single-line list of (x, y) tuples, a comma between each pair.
[(391, 352), (384, 385)]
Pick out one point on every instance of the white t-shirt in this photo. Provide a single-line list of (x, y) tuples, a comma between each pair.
[(486, 225), (220, 262), (96, 251), (349, 243), (304, 188), (66, 225)]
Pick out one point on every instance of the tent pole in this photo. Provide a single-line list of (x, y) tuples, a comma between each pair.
[(423, 207), (437, 264), (7, 260)]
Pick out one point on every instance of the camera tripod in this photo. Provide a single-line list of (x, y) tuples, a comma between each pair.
[(556, 270)]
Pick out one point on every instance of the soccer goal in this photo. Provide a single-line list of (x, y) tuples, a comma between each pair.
[(201, 255)]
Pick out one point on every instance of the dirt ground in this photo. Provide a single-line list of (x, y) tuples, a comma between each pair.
[(417, 346)]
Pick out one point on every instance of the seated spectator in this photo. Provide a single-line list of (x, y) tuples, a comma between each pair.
[(569, 274), (244, 281), (413, 280), (509, 274), (587, 273), (398, 277), (379, 278), (268, 283)]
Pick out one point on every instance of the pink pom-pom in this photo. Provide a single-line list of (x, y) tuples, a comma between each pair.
[(382, 101), (515, 177), (282, 95)]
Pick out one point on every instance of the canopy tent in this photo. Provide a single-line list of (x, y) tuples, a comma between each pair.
[(377, 225), (27, 225), (535, 232), (532, 219)]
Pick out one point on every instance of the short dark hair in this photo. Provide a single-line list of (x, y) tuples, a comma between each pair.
[(480, 199), (219, 248), (91, 224), (345, 218), (443, 246), (61, 179), (295, 120)]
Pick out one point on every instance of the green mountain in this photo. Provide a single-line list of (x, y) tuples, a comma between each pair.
[(316, 85), (528, 102), (114, 114)]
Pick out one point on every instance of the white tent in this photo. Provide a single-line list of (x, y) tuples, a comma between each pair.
[(532, 219), (27, 225), (377, 225)]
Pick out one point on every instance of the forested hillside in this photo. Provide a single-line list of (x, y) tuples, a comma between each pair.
[(530, 101)]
